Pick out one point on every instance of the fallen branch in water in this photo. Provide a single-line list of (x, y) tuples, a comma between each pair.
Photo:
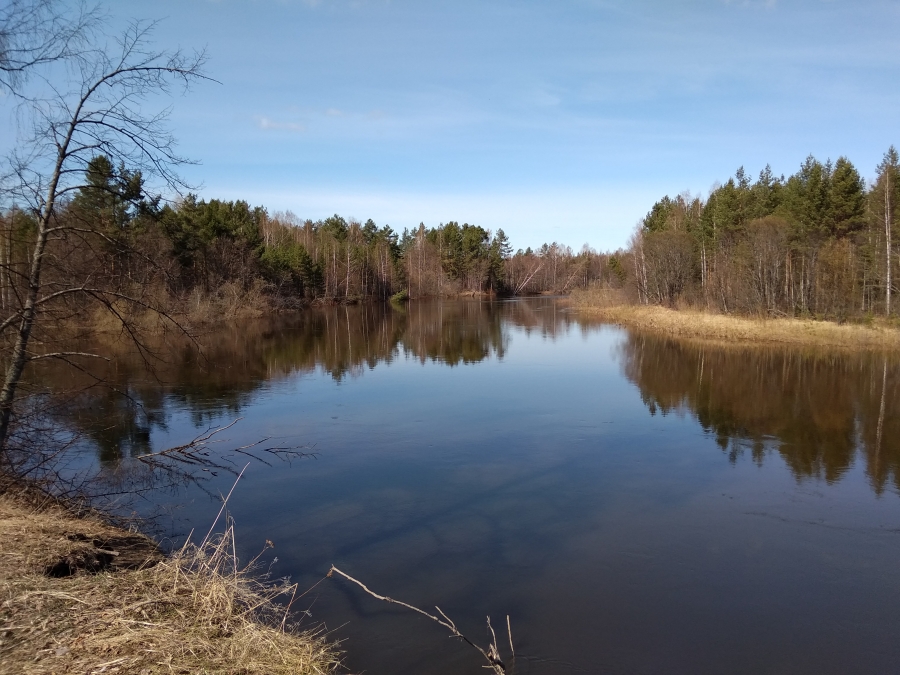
[(491, 654), (189, 462)]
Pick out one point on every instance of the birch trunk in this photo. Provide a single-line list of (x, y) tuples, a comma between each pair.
[(887, 237)]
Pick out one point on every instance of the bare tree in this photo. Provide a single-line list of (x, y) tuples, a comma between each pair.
[(887, 167), (35, 33), (97, 111)]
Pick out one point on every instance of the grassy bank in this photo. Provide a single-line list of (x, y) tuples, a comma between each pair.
[(80, 596), (691, 323)]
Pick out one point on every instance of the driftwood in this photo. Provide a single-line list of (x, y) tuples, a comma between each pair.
[(491, 654)]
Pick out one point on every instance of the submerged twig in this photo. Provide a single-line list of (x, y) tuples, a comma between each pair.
[(190, 461), (491, 654)]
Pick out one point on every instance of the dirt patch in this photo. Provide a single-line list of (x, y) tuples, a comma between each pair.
[(107, 554)]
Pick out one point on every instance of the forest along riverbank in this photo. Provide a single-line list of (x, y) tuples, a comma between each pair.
[(79, 595), (692, 323)]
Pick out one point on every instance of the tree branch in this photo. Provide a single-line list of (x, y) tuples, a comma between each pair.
[(491, 655)]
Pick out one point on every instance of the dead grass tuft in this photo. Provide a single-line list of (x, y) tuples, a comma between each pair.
[(193, 612)]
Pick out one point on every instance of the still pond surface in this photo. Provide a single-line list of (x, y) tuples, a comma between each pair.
[(635, 504)]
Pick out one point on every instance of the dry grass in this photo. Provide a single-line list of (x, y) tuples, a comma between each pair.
[(690, 323), (228, 302), (194, 612)]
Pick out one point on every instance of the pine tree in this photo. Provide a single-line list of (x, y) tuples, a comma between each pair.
[(847, 200)]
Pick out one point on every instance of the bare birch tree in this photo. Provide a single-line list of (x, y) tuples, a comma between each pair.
[(96, 109), (888, 170)]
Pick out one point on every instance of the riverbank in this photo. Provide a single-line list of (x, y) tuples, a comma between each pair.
[(689, 323), (197, 315), (79, 595)]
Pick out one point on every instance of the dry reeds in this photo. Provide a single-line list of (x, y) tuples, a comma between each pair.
[(691, 323), (196, 611)]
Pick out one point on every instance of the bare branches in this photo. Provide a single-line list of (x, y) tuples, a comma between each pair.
[(101, 110), (491, 654), (190, 461), (35, 33)]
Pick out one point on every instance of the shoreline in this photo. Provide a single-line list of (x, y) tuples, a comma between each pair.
[(82, 595), (688, 323), (701, 325), (178, 317)]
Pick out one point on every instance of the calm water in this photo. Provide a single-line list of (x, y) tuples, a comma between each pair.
[(635, 504)]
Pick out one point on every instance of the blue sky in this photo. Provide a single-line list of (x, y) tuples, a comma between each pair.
[(557, 120)]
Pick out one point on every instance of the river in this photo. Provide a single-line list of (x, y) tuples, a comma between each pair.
[(635, 504)]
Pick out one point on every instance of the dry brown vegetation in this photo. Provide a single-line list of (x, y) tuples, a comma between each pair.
[(693, 323), (226, 304), (120, 607)]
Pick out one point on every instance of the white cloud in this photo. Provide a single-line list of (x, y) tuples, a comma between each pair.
[(267, 124)]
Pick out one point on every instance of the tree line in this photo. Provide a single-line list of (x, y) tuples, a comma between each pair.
[(126, 241), (817, 243)]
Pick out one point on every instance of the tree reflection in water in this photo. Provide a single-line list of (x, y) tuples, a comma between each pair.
[(819, 410), (116, 407), (816, 409)]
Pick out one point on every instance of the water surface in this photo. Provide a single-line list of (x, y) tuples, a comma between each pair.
[(634, 504)]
